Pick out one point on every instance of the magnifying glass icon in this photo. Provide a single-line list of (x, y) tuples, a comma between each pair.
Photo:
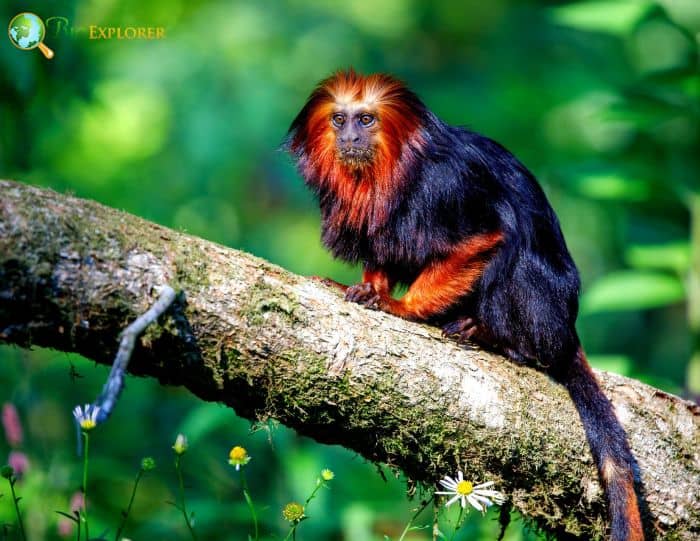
[(27, 31)]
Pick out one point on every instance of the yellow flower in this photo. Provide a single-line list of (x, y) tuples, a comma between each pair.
[(327, 475), (86, 417), (180, 445), (238, 457), (293, 512)]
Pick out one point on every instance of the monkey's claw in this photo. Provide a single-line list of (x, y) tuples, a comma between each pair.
[(462, 329), (363, 294)]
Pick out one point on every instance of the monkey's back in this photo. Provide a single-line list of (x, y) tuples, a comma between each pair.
[(466, 184)]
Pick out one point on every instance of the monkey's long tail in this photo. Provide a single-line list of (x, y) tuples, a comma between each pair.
[(608, 443)]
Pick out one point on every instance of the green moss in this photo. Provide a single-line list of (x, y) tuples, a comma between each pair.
[(264, 299)]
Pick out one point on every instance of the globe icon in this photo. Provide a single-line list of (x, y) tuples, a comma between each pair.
[(27, 32)]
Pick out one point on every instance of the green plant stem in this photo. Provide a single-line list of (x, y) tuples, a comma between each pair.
[(293, 531), (85, 477), (16, 502), (249, 501), (413, 518), (319, 484), (183, 508), (128, 509), (459, 522)]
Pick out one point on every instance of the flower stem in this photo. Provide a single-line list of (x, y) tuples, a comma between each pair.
[(460, 520), (128, 509), (249, 501), (85, 476), (16, 502), (293, 530), (183, 508), (409, 526)]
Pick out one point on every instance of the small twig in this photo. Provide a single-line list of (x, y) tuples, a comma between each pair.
[(115, 382), (104, 405)]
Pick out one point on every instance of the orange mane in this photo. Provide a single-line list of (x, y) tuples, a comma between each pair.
[(363, 197)]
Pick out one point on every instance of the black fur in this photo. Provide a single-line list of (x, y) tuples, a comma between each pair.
[(460, 184)]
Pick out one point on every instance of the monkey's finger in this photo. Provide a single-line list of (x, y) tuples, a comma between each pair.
[(458, 326)]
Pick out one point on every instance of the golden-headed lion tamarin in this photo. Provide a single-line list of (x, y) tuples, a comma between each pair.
[(466, 226)]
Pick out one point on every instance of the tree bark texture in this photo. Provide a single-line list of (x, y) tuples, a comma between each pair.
[(270, 344)]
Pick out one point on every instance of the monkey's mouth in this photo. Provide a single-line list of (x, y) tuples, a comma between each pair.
[(355, 155)]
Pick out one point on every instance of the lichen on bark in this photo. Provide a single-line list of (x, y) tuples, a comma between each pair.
[(270, 344)]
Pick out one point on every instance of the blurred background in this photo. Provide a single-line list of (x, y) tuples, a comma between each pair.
[(601, 100)]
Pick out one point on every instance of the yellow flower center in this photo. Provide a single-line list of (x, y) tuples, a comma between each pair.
[(238, 454), (88, 424), (464, 488)]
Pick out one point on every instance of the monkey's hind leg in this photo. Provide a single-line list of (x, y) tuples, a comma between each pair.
[(467, 329)]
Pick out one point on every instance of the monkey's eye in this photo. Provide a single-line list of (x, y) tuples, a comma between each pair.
[(366, 119), (338, 119)]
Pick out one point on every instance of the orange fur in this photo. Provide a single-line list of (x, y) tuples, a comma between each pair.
[(380, 281), (361, 194), (632, 513), (441, 283), (614, 473)]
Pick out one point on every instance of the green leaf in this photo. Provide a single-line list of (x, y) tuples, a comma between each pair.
[(71, 517), (612, 187), (673, 256), (632, 290), (611, 16)]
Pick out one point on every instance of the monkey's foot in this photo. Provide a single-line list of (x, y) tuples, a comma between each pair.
[(330, 283), (466, 329), (363, 294)]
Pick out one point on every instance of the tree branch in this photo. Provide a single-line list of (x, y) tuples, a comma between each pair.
[(271, 344)]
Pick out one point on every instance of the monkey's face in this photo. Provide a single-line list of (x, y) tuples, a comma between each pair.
[(355, 131)]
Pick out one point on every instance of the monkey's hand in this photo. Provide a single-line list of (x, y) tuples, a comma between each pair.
[(364, 294), (367, 295)]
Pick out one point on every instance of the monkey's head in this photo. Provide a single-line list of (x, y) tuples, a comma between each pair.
[(355, 122)]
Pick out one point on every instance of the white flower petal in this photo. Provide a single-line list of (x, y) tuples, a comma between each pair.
[(460, 476), (483, 500), (484, 485), (475, 503), (447, 481), (453, 500), (489, 493)]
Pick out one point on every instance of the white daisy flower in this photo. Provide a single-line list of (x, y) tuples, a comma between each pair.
[(86, 417), (479, 496)]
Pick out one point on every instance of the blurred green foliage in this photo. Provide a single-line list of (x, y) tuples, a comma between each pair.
[(601, 99)]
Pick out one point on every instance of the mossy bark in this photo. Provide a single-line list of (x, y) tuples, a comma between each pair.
[(271, 344)]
